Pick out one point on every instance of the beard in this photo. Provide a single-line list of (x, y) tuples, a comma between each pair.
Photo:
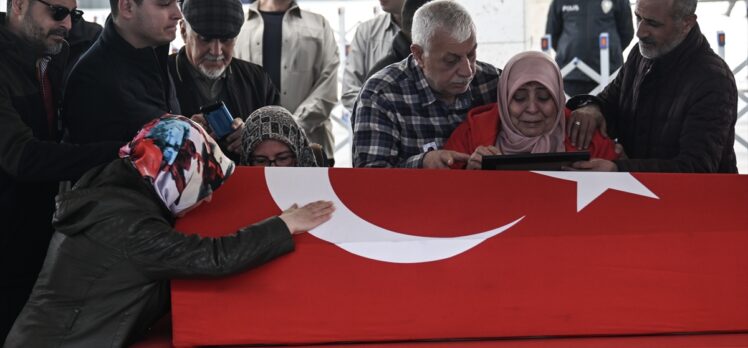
[(212, 73), (654, 51), (37, 37)]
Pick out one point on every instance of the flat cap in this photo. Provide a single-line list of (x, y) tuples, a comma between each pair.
[(214, 18)]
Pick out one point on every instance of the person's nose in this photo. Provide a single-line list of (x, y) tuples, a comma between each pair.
[(67, 23), (215, 47), (176, 13), (641, 31), (532, 107), (465, 69)]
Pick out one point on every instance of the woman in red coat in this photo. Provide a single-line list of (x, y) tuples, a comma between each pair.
[(529, 116)]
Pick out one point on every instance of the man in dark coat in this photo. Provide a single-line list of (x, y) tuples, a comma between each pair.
[(673, 106), (122, 82), (32, 161), (204, 71), (81, 37)]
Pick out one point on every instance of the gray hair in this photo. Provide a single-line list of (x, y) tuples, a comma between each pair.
[(682, 8), (441, 14)]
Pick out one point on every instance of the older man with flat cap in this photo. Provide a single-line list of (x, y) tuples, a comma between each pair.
[(205, 72)]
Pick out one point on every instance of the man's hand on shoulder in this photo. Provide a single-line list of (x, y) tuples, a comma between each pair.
[(583, 123)]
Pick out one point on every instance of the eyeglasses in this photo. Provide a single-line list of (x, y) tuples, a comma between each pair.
[(59, 13), (284, 160)]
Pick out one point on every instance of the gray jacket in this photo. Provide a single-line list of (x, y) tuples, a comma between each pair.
[(309, 70), (105, 278)]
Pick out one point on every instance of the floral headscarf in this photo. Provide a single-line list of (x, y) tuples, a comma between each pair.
[(183, 163), (275, 122)]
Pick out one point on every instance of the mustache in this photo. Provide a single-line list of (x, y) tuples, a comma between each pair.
[(59, 32), (463, 81), (213, 58)]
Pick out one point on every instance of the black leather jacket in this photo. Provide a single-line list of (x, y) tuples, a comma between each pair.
[(105, 279)]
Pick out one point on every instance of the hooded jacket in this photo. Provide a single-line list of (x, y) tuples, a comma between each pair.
[(105, 279), (31, 161)]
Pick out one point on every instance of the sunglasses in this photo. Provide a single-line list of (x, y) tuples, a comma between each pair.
[(59, 13)]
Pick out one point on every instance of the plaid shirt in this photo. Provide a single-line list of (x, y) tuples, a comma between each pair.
[(397, 117)]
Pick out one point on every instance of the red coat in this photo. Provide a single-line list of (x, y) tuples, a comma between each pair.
[(482, 127)]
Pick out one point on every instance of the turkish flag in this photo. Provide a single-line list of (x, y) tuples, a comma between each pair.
[(588, 254)]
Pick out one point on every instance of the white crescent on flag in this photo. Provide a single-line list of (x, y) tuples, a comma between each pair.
[(356, 235)]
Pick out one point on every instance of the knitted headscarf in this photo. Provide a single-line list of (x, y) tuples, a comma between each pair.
[(523, 68), (179, 159), (275, 122)]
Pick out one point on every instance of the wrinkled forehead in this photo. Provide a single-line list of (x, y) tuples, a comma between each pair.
[(657, 10), (445, 43)]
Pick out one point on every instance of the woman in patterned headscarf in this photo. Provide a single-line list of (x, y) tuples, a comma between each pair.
[(272, 137), (105, 279)]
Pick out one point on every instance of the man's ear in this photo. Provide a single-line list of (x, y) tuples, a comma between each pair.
[(125, 8), (17, 7), (689, 22), (417, 51)]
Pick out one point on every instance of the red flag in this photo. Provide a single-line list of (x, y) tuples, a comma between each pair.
[(620, 262)]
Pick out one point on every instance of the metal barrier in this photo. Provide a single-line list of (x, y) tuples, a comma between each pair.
[(602, 77)]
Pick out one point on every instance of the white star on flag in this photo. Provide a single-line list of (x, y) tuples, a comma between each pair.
[(591, 185)]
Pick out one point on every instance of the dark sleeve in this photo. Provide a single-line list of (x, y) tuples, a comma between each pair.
[(98, 109), (707, 128), (610, 96), (161, 252), (555, 23), (26, 158), (624, 23)]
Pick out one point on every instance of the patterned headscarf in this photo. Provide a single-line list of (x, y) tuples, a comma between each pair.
[(523, 68), (275, 122), (179, 159)]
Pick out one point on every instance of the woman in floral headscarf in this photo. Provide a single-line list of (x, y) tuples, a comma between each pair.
[(105, 279), (529, 116)]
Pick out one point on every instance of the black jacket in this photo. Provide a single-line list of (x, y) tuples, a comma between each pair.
[(675, 113), (399, 50), (115, 89), (105, 279), (575, 27), (80, 38), (247, 86), (31, 161)]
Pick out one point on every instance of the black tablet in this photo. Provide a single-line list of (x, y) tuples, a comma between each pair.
[(534, 161)]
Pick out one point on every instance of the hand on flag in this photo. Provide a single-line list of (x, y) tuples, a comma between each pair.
[(303, 219)]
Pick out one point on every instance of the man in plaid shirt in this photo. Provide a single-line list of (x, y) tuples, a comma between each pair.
[(406, 111)]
